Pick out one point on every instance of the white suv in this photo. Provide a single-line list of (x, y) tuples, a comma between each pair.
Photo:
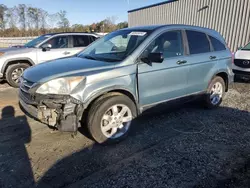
[(13, 61), (241, 66)]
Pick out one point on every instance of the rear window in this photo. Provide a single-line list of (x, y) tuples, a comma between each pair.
[(198, 42), (218, 46)]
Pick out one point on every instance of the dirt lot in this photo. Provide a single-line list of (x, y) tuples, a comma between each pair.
[(181, 146)]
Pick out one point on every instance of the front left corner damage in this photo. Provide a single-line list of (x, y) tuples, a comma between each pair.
[(63, 113)]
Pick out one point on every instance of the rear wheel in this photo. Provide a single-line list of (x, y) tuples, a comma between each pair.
[(13, 73), (215, 92), (110, 119)]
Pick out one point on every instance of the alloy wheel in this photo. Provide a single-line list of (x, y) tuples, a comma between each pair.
[(116, 121)]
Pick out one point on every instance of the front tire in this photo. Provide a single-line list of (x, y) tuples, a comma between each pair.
[(109, 119), (13, 73), (215, 93)]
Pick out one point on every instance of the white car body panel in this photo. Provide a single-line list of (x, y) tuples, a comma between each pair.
[(244, 55), (37, 55)]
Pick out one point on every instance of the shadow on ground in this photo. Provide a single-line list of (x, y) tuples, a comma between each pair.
[(174, 146), (14, 160)]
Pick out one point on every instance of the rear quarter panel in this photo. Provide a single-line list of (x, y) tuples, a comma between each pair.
[(222, 65)]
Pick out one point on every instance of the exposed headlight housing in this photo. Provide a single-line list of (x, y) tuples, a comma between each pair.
[(60, 86)]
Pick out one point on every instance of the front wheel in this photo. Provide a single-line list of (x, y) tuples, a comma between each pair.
[(14, 72), (110, 119), (215, 92)]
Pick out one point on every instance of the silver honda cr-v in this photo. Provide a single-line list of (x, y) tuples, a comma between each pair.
[(124, 73)]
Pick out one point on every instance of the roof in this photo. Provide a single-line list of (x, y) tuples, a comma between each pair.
[(146, 27), (70, 33), (153, 5), (179, 26), (155, 27)]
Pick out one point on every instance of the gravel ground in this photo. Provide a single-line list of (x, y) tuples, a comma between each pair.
[(177, 146)]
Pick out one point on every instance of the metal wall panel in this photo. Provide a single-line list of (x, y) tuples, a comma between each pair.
[(231, 18)]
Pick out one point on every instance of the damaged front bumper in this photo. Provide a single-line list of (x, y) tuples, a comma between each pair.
[(60, 111)]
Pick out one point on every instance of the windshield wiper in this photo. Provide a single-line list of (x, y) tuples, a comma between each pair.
[(89, 57), (111, 60)]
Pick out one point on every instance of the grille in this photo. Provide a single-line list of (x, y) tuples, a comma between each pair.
[(243, 63), (25, 85)]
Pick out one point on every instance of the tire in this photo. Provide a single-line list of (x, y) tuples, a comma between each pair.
[(10, 70), (96, 123), (214, 102)]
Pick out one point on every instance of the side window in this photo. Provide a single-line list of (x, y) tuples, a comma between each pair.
[(92, 39), (169, 43), (58, 42), (198, 42), (218, 46), (81, 40)]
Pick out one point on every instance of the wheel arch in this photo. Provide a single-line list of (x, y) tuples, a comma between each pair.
[(107, 93), (224, 76), (16, 61), (110, 92)]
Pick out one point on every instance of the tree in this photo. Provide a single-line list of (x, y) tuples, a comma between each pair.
[(22, 10), (52, 20), (3, 10), (92, 27), (12, 17), (78, 28), (122, 25), (33, 15), (63, 20), (25, 20), (43, 19)]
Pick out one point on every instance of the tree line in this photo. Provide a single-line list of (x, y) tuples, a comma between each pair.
[(23, 20)]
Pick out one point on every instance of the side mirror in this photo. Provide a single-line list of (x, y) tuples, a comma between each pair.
[(46, 47), (156, 57)]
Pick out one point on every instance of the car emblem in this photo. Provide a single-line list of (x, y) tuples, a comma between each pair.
[(246, 62)]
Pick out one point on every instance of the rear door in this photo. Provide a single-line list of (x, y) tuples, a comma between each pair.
[(164, 81), (80, 42), (223, 55), (201, 59)]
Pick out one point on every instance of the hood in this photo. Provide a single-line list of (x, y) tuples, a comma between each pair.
[(242, 54), (15, 50), (73, 66)]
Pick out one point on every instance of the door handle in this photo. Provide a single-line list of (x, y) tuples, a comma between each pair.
[(66, 53), (181, 62), (212, 57)]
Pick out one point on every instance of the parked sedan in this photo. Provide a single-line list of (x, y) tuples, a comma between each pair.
[(241, 66)]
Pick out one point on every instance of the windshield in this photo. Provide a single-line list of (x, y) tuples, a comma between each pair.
[(247, 47), (37, 41), (115, 46)]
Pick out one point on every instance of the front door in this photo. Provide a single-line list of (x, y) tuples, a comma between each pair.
[(60, 48), (164, 81)]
